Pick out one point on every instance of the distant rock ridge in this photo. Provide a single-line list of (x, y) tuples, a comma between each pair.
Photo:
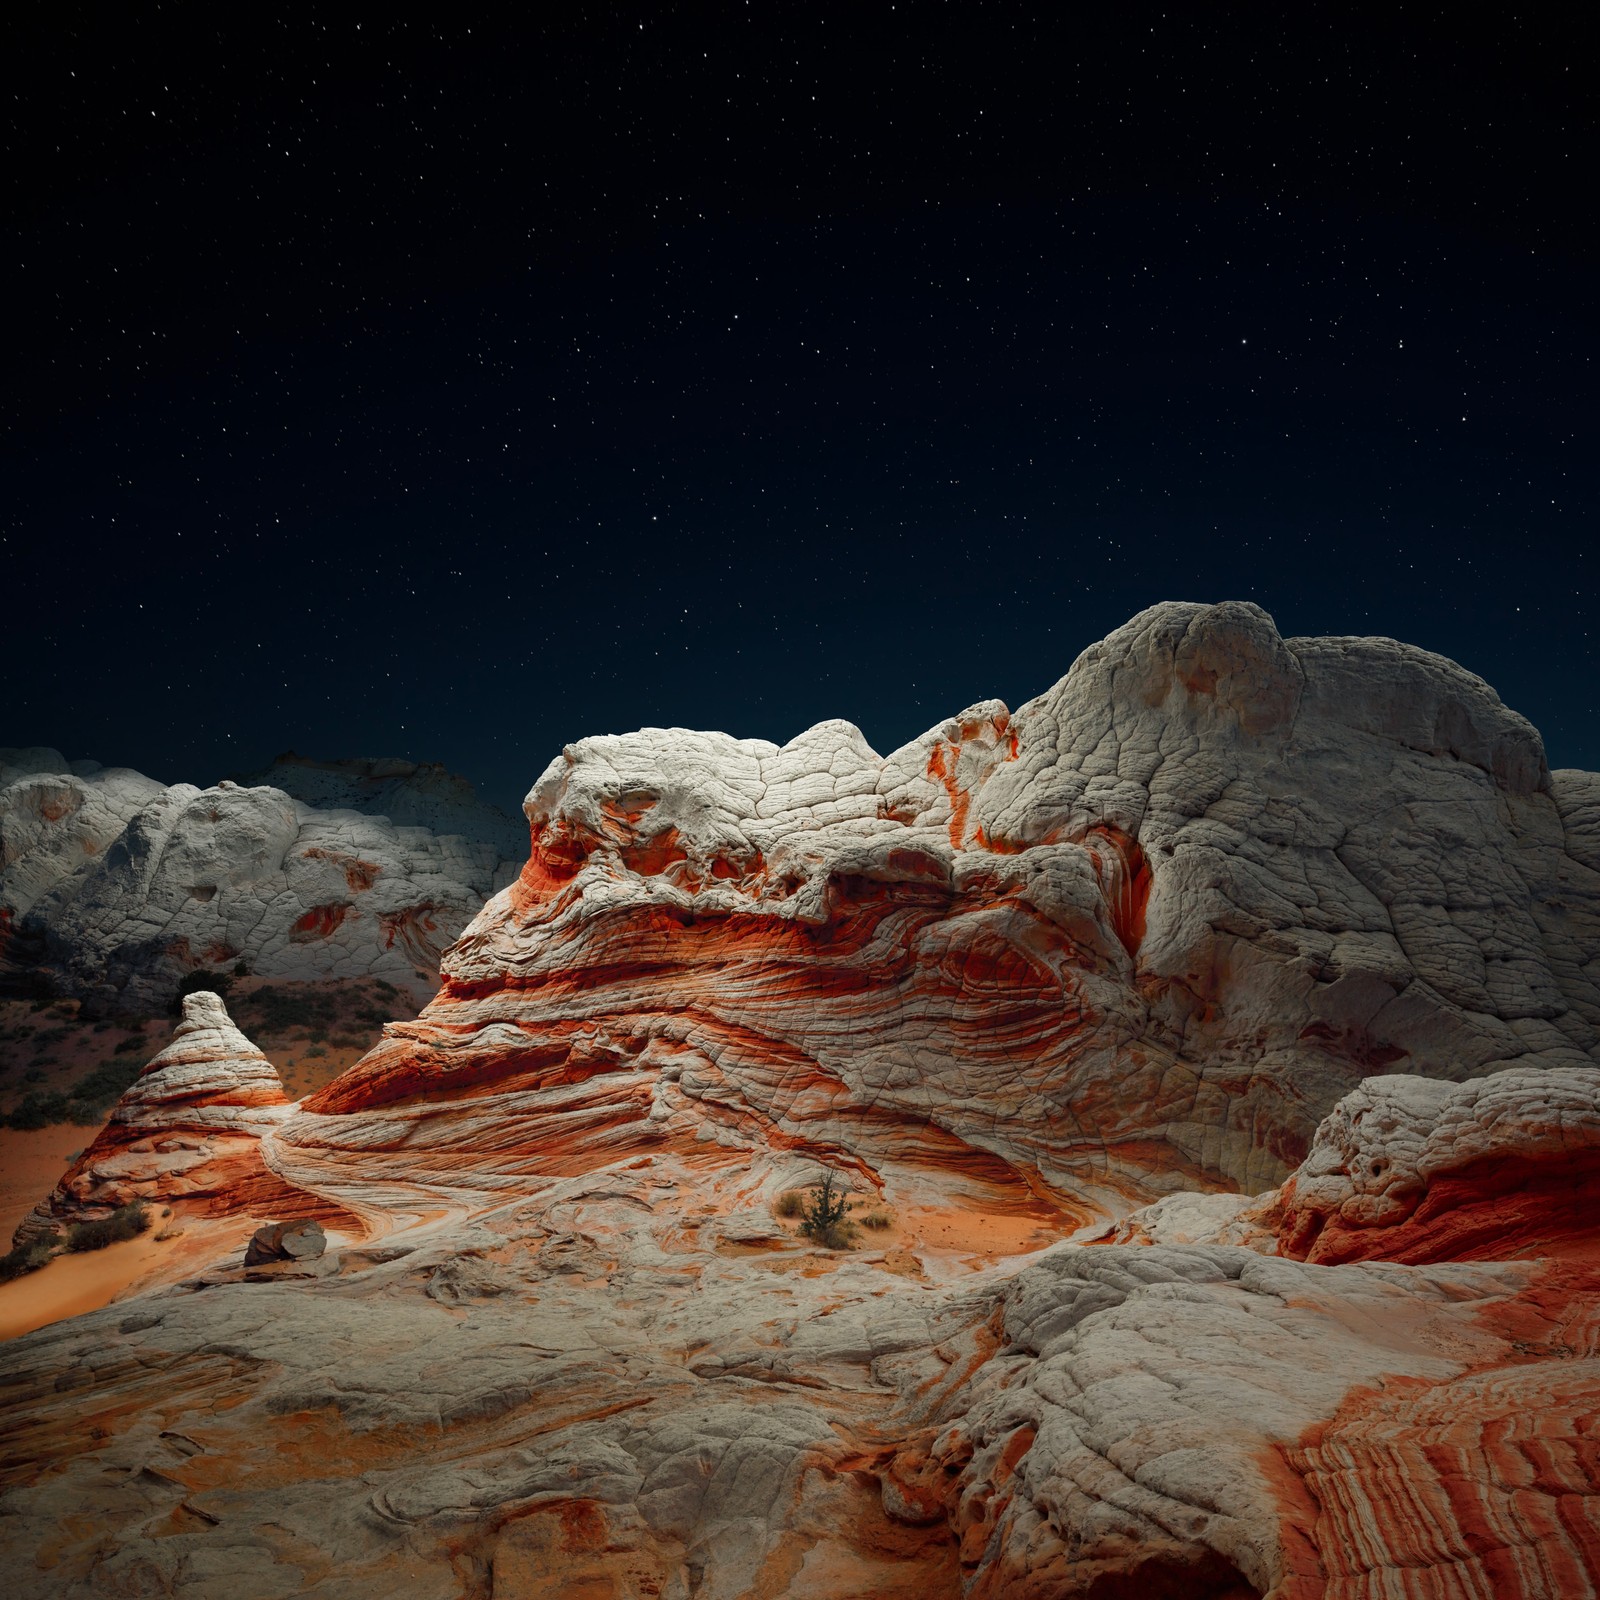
[(410, 794), (113, 886)]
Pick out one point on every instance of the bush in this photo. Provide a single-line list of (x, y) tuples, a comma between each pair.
[(194, 982), (84, 1103), (105, 1083), (24, 1259), (126, 1222), (791, 1203), (38, 1110), (877, 1220), (132, 1042), (825, 1219)]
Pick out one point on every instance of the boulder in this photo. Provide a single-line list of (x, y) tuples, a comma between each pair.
[(301, 1240)]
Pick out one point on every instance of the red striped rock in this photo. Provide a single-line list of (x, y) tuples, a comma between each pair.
[(1141, 936), (1409, 1170), (188, 1130)]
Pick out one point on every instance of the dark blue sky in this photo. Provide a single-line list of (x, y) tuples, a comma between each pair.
[(457, 390)]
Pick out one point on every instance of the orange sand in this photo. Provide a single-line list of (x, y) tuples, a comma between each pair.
[(71, 1285), (30, 1164)]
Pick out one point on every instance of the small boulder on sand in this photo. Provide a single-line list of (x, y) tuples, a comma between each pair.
[(285, 1241)]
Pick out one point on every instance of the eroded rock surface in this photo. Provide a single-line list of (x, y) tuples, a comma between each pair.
[(1413, 1169), (189, 1128), (113, 887), (1023, 975), (1139, 936)]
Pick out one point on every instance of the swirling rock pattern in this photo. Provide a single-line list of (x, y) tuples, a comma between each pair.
[(1138, 938), (188, 1129), (1140, 935)]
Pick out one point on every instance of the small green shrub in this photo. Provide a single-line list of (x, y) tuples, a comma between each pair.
[(105, 1083), (126, 1222), (24, 1259), (826, 1219), (84, 1103)]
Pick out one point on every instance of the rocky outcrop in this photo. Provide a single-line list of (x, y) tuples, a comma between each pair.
[(1026, 973), (113, 887), (1139, 936), (1405, 1169), (1413, 1169), (188, 1130)]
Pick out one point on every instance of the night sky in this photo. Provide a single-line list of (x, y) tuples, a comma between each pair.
[(456, 389)]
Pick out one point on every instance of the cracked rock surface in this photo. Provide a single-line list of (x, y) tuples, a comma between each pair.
[(1269, 964), (114, 886)]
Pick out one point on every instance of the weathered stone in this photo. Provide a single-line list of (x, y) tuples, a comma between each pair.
[(113, 887), (285, 1241), (1178, 922)]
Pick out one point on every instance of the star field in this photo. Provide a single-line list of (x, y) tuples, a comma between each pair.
[(455, 390)]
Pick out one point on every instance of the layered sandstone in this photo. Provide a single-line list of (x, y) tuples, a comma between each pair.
[(1217, 907), (188, 1130), (1413, 1169), (1139, 936)]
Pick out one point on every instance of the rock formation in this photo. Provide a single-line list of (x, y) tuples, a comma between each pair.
[(188, 1129), (1218, 912), (113, 887), (1413, 1169), (1139, 936)]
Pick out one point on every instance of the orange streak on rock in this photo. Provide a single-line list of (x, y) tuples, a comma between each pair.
[(1125, 879), (358, 874), (1494, 1210), (1480, 1485), (318, 923)]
